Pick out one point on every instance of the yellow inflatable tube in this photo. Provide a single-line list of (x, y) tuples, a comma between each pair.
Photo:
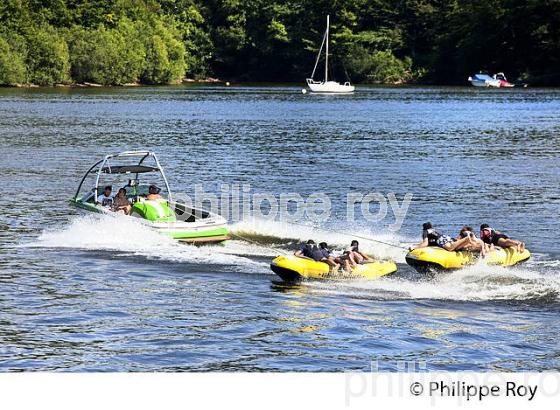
[(293, 268), (436, 258)]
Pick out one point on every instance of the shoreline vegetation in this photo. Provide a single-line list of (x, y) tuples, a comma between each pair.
[(86, 84), (88, 43)]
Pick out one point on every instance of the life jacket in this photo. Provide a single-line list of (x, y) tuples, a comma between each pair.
[(313, 252), (487, 235), (307, 250), (432, 236)]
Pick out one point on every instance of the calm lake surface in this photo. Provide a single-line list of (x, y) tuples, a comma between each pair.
[(91, 293)]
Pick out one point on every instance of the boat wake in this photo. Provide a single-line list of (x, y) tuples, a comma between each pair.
[(472, 284), (285, 236), (126, 236), (535, 281), (256, 242)]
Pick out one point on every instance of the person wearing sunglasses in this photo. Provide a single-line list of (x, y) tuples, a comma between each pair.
[(480, 245)]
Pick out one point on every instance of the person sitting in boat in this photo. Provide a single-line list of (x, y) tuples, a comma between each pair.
[(121, 203), (329, 257), (105, 199), (481, 246), (352, 256), (431, 237), (153, 193), (358, 256), (312, 251), (497, 238)]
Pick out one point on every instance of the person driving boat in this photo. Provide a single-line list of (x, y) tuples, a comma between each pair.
[(153, 193), (105, 199)]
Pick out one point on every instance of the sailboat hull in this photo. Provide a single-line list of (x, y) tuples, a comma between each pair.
[(330, 87)]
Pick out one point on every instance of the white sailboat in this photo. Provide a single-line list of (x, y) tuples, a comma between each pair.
[(327, 86)]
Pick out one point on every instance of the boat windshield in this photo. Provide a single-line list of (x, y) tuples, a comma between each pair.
[(483, 77)]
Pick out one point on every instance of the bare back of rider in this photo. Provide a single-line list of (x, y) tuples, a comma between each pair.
[(153, 194), (431, 237), (154, 197), (476, 244)]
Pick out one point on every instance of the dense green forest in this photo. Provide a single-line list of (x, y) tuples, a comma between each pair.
[(116, 42)]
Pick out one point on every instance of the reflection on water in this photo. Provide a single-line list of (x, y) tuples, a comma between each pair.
[(83, 293)]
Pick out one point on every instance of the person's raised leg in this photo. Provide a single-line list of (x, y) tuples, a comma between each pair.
[(333, 266), (357, 257), (351, 260)]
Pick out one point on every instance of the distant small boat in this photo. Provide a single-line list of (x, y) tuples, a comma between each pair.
[(326, 86), (484, 80)]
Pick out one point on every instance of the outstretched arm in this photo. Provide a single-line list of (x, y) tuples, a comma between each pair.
[(423, 244)]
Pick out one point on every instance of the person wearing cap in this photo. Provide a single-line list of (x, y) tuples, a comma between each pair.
[(153, 193), (105, 199)]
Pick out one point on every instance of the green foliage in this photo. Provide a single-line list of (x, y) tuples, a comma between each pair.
[(106, 56), (165, 56), (384, 67), (379, 67), (47, 57), (161, 41), (12, 65)]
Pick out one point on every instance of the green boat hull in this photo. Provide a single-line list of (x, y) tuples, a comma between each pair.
[(185, 234)]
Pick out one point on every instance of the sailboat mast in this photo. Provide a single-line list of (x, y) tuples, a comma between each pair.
[(327, 51)]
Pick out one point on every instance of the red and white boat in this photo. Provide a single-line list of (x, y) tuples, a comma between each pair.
[(484, 80)]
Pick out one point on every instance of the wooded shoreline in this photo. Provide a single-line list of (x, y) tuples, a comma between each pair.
[(149, 42)]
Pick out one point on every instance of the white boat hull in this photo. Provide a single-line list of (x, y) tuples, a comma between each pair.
[(330, 87), (487, 83)]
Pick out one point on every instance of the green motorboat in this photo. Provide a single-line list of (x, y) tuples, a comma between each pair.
[(172, 218)]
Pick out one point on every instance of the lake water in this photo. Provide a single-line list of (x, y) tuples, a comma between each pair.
[(91, 293)]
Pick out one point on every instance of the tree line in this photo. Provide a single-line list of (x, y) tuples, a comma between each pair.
[(115, 42)]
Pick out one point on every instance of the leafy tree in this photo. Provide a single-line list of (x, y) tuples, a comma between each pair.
[(12, 65), (106, 56), (159, 41), (47, 57), (165, 56)]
